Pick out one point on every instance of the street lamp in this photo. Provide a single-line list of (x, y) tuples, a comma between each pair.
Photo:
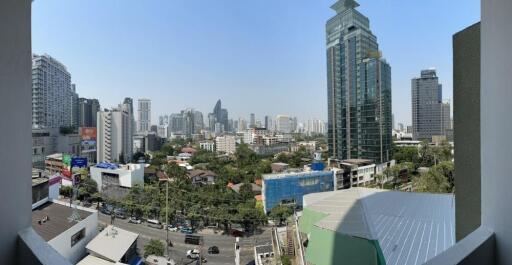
[(166, 179)]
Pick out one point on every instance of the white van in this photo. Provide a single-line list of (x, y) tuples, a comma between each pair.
[(154, 223)]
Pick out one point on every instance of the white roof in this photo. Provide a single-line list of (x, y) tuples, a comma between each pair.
[(411, 227), (112, 243), (92, 260)]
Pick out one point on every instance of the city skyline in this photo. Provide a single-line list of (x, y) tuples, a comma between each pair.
[(103, 66)]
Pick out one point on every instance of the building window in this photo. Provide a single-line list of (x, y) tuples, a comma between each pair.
[(77, 237)]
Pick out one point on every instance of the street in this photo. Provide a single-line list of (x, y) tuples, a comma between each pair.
[(225, 243)]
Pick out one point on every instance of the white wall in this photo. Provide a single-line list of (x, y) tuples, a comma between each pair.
[(496, 124), (62, 243), (127, 178)]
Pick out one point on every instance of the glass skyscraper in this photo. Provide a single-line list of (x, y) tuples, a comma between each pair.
[(358, 88)]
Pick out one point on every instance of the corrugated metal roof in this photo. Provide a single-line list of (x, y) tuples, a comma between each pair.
[(411, 227)]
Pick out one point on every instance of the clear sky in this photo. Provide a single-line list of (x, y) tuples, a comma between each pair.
[(261, 56)]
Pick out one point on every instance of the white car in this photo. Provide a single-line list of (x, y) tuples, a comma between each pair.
[(193, 254), (172, 228)]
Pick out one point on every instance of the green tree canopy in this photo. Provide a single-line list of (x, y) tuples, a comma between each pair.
[(154, 247), (280, 213)]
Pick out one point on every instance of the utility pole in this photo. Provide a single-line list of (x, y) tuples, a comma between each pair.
[(167, 215)]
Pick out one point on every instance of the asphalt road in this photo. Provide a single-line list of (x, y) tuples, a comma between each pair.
[(225, 243)]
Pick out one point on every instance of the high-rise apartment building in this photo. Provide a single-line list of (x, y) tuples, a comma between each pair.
[(446, 118), (242, 124), (176, 123), (144, 115), (75, 112), (358, 87), (52, 94), (268, 123), (427, 94), (283, 124), (226, 144), (114, 135), (87, 110)]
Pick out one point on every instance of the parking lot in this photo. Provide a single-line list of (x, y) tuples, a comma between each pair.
[(225, 243)]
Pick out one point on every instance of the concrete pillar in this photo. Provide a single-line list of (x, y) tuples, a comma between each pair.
[(496, 123), (15, 124)]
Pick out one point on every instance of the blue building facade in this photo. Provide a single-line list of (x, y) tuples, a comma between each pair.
[(290, 187)]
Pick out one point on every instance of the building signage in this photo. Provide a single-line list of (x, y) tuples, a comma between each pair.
[(78, 162)]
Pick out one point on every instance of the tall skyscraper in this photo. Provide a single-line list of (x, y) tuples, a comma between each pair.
[(52, 95), (114, 135), (358, 87), (87, 109), (218, 118), (426, 104), (75, 113), (252, 120), (144, 115), (176, 123), (268, 123)]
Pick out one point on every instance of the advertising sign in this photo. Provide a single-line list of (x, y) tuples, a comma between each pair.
[(78, 162), (88, 139), (88, 133), (66, 159)]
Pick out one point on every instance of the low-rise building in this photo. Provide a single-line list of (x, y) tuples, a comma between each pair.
[(207, 145), (374, 226), (115, 245), (44, 188), (202, 177), (261, 149), (264, 255), (115, 180), (67, 229), (226, 144), (288, 188), (279, 167), (359, 171), (255, 188)]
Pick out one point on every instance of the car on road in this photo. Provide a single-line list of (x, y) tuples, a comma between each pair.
[(107, 209), (213, 250), (193, 239), (193, 254), (154, 223), (187, 230), (172, 228), (134, 220), (120, 213)]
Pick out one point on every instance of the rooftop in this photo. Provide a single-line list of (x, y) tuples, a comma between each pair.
[(112, 243), (236, 187), (359, 162), (293, 174), (58, 221), (201, 173), (410, 227), (264, 249), (92, 260)]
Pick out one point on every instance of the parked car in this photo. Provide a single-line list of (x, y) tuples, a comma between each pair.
[(106, 209), (172, 228), (213, 250), (187, 230), (154, 223), (87, 204), (134, 220), (193, 254), (120, 213)]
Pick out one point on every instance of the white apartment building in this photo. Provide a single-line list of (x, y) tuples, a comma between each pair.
[(226, 144), (207, 145), (163, 131), (144, 115), (114, 139), (52, 94)]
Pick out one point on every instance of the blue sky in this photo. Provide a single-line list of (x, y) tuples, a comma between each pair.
[(264, 56)]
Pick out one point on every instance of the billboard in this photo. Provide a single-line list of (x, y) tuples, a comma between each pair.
[(88, 139)]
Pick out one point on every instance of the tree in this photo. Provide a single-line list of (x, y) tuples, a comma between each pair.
[(280, 213), (154, 247), (138, 156), (432, 181), (87, 188), (285, 260), (66, 191), (246, 191)]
